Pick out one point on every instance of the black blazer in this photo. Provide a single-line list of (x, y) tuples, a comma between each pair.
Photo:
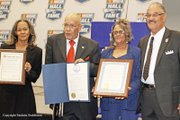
[(20, 98), (88, 50)]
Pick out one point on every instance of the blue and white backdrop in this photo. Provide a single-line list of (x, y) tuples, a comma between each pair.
[(97, 17)]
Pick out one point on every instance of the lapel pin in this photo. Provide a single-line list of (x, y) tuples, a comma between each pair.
[(166, 40)]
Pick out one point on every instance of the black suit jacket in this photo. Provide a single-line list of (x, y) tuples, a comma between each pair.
[(86, 49), (167, 71)]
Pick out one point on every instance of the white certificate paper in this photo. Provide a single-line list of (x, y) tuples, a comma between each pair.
[(78, 81), (113, 77), (11, 67), (116, 81)]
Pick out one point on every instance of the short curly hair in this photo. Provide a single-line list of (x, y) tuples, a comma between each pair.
[(125, 25)]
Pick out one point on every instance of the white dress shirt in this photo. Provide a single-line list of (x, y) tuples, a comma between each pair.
[(156, 45), (75, 45)]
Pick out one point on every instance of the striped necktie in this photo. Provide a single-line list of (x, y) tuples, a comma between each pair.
[(146, 66)]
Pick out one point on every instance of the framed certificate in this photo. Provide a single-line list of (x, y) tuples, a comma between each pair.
[(113, 77), (12, 66)]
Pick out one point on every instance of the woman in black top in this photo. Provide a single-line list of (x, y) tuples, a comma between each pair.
[(19, 100)]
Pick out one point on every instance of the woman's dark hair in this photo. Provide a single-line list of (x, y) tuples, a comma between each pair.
[(14, 38)]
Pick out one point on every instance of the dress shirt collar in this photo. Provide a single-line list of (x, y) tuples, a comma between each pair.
[(160, 33), (75, 40)]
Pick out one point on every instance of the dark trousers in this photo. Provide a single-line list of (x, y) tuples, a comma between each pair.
[(150, 106), (66, 118), (57, 112)]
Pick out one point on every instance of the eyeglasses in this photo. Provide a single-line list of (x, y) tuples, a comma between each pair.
[(154, 15), (120, 32), (71, 26)]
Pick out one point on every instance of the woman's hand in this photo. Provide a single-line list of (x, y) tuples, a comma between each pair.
[(121, 98), (27, 67)]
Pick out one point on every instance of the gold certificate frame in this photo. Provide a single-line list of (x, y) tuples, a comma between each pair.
[(113, 78), (12, 66)]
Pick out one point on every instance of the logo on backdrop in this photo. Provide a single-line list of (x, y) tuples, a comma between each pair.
[(4, 35), (143, 0), (81, 1), (50, 33), (31, 17), (86, 20), (114, 9), (53, 32), (55, 9), (26, 1), (4, 9), (141, 17)]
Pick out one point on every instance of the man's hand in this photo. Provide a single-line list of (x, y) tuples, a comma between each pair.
[(178, 108), (78, 60)]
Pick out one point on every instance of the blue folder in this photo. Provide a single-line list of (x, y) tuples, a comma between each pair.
[(55, 83)]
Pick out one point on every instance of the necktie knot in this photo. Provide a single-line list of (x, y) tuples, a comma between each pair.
[(71, 42), (152, 39)]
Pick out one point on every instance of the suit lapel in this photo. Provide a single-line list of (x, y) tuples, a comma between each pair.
[(80, 48), (62, 46), (164, 43)]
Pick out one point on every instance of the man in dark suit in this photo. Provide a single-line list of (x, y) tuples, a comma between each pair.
[(160, 65), (85, 50)]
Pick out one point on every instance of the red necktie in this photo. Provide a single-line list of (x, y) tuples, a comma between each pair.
[(70, 56)]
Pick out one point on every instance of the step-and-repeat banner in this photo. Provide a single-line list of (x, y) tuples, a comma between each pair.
[(47, 17)]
